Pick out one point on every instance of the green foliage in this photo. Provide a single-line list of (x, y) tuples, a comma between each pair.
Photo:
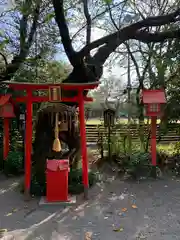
[(75, 183), (177, 148), (135, 163), (119, 144), (139, 165), (37, 189), (14, 163), (1, 158), (15, 137), (175, 159), (3, 44), (49, 17), (116, 146), (108, 1), (42, 71)]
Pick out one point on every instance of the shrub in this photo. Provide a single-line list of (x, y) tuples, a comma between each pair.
[(14, 163), (37, 189), (175, 159), (76, 181), (1, 159), (177, 148), (138, 165)]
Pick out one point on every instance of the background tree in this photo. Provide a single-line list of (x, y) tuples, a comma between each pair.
[(28, 34)]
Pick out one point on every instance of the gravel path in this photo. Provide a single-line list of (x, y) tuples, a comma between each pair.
[(116, 210)]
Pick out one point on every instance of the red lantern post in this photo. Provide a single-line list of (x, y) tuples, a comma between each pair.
[(6, 112), (153, 99)]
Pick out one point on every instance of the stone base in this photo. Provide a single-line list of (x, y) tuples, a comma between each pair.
[(43, 202), (27, 196)]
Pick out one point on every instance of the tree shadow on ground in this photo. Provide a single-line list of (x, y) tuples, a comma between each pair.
[(115, 210)]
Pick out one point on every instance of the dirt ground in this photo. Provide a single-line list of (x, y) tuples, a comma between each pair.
[(116, 210)]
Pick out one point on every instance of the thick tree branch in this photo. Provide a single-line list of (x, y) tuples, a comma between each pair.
[(4, 58), (103, 52), (156, 37), (26, 6), (130, 32), (88, 22), (64, 31), (24, 48), (23, 30)]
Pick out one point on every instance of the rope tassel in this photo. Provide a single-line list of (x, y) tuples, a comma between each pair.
[(56, 143)]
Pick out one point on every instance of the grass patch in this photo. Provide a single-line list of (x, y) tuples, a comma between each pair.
[(96, 121), (169, 149)]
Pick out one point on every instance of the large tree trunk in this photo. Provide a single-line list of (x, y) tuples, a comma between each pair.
[(44, 137)]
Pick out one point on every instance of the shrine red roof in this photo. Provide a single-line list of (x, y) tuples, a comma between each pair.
[(4, 99), (153, 96), (43, 86)]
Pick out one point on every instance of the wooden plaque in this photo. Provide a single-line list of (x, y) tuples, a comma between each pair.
[(54, 94)]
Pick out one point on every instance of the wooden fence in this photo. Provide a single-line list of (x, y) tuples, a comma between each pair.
[(93, 131)]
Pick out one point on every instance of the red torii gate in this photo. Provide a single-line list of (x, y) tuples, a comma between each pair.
[(29, 99)]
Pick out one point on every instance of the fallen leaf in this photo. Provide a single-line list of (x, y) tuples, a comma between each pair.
[(121, 197), (15, 210), (118, 229), (88, 236), (3, 230), (8, 214), (134, 206), (124, 209)]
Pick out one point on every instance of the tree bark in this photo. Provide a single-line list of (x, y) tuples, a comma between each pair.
[(44, 137)]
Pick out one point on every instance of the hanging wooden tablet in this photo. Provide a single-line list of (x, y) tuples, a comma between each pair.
[(54, 94), (64, 123), (64, 126), (56, 143)]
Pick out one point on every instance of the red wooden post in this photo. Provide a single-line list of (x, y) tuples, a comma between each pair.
[(28, 142), (153, 139), (6, 138), (153, 99), (83, 144)]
